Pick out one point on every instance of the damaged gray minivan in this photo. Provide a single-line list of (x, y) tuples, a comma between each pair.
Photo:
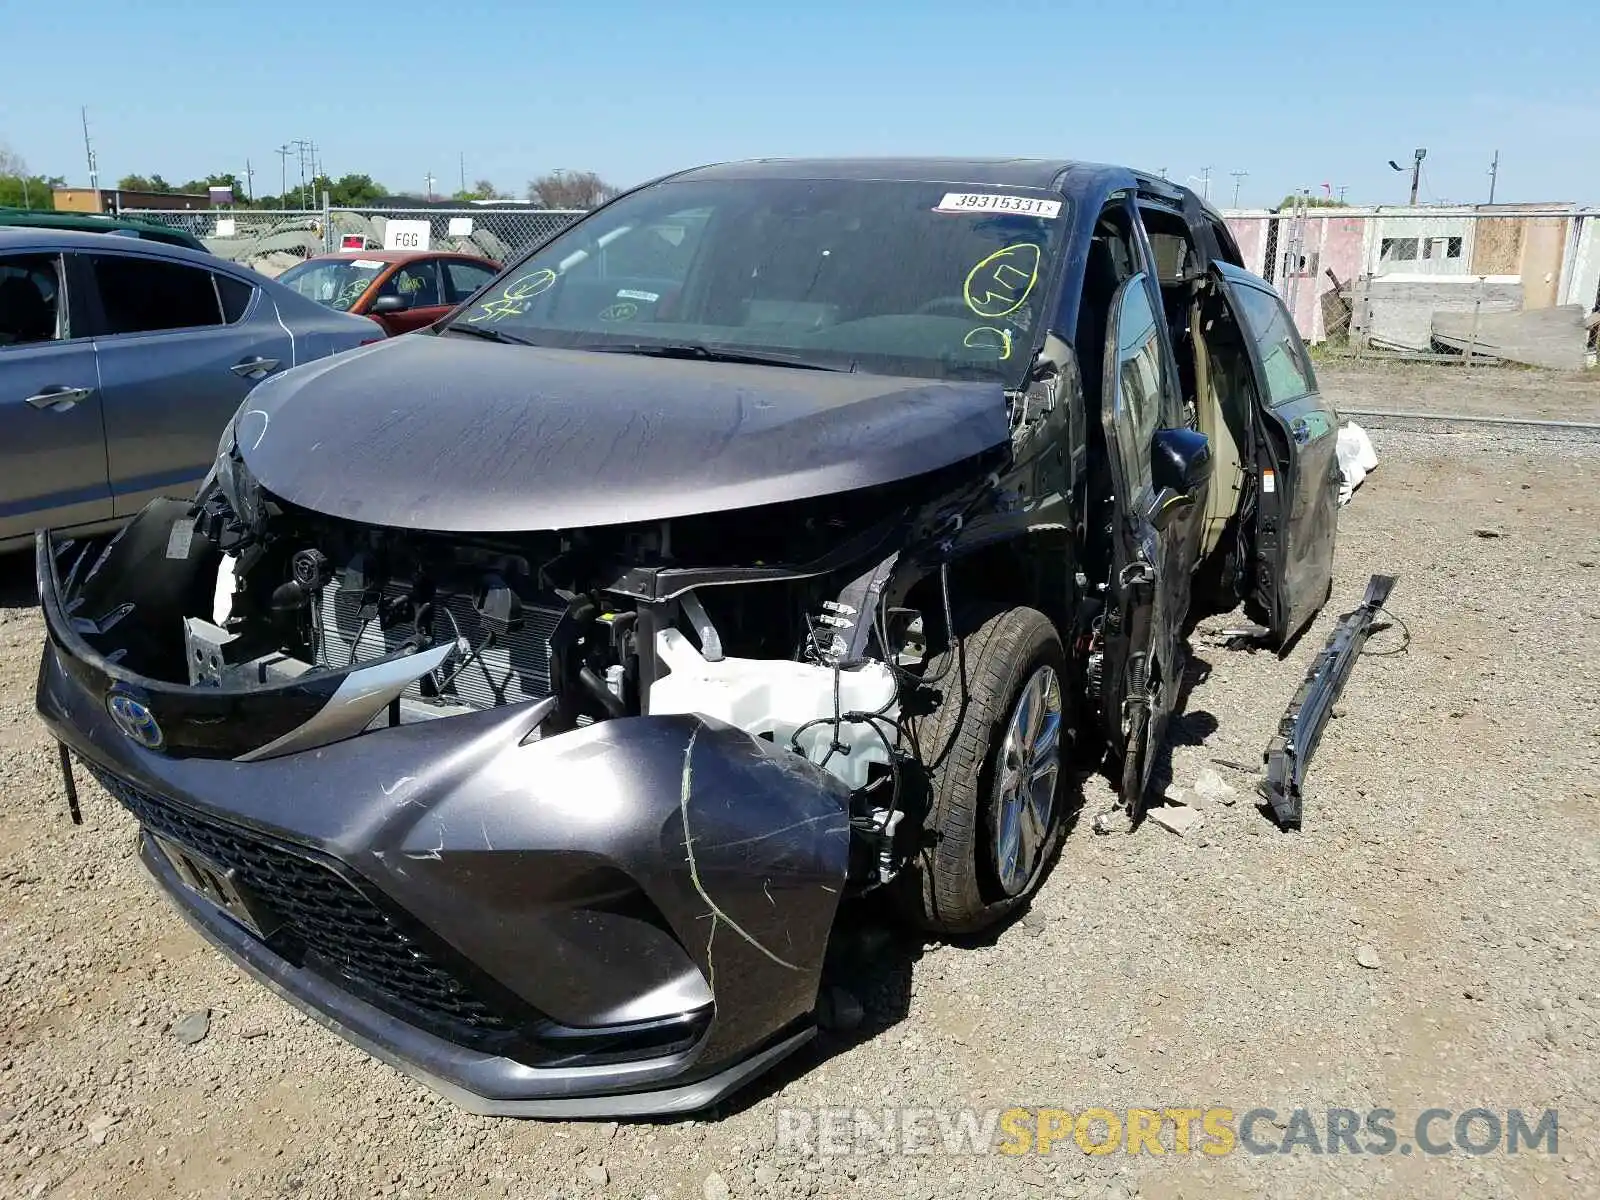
[(523, 697)]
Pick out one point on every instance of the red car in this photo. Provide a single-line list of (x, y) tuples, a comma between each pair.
[(401, 290)]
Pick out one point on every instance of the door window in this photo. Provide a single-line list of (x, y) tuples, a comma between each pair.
[(142, 295), (464, 278), (417, 283), (30, 299), (1139, 392), (1283, 357)]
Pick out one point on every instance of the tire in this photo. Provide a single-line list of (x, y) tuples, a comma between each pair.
[(954, 884)]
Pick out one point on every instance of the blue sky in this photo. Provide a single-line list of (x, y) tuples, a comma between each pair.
[(632, 89)]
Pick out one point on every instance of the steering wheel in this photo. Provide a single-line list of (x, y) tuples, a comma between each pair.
[(939, 303)]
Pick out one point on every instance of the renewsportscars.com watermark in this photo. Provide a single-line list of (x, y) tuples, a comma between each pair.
[(1212, 1131)]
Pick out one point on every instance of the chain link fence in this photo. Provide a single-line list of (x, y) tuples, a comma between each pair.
[(1485, 282), (273, 240)]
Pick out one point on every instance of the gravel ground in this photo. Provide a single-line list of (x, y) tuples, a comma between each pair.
[(1452, 832)]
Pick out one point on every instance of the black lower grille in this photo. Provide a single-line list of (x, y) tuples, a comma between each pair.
[(330, 923)]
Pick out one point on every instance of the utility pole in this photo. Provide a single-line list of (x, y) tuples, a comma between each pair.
[(283, 172), (88, 150), (463, 172), (249, 182), (1494, 175), (429, 180), (1343, 188), (1205, 183), (306, 152), (1238, 180)]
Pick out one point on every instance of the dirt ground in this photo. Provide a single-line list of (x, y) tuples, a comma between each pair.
[(1451, 840), (1507, 391)]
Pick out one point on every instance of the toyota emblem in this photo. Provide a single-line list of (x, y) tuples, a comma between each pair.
[(135, 720)]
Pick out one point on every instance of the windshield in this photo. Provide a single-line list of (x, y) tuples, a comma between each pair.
[(334, 283), (937, 280)]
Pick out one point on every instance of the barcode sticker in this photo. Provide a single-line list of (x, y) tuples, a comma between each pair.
[(1026, 206), (179, 539)]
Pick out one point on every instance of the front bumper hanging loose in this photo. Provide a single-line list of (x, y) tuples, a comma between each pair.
[(624, 919), (1289, 753)]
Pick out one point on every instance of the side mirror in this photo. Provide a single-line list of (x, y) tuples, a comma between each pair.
[(389, 304), (1180, 459), (1180, 468)]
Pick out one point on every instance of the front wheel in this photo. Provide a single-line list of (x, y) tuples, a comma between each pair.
[(992, 751)]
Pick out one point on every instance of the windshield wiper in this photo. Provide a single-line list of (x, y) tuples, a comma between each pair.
[(705, 353), (482, 331)]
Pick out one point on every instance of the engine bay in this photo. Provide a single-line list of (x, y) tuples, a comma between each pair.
[(697, 615)]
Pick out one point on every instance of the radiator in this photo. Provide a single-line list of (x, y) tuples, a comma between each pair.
[(512, 668)]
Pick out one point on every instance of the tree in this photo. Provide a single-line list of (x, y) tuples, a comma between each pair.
[(28, 191), (143, 183), (483, 189), (570, 189), (11, 163), (1293, 198), (199, 187), (353, 191)]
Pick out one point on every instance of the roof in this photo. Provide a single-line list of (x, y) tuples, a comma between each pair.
[(89, 223), (397, 256), (1069, 176), (994, 172), (13, 237)]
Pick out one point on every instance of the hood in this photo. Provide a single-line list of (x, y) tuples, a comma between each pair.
[(458, 435)]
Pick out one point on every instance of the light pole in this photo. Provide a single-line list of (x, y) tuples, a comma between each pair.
[(1416, 171)]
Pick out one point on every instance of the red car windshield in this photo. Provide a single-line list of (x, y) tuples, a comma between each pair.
[(333, 283)]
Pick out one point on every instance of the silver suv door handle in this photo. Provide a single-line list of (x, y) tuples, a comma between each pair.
[(60, 399), (254, 368)]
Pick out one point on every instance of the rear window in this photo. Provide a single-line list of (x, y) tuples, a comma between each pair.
[(143, 295)]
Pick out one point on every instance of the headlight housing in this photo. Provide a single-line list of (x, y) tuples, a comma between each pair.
[(232, 478)]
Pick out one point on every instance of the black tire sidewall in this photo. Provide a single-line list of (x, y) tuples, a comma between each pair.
[(953, 888)]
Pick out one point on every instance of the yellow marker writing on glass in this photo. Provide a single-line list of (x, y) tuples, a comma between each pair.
[(988, 337), (1002, 282), (514, 297)]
